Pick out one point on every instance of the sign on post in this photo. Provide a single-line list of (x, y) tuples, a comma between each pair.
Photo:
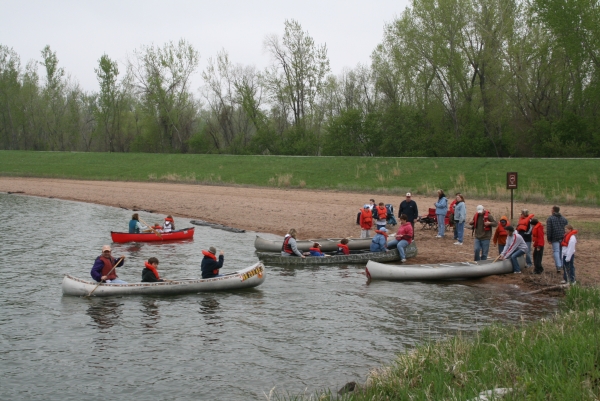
[(511, 183)]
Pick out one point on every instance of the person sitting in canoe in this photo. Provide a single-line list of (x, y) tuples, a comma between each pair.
[(104, 269), (289, 247), (379, 242), (403, 237), (150, 272), (210, 266), (135, 227), (343, 248), (169, 224), (316, 250)]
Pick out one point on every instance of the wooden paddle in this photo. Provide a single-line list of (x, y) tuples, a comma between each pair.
[(111, 270), (150, 227)]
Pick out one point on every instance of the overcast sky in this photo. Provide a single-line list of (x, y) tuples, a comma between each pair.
[(81, 31)]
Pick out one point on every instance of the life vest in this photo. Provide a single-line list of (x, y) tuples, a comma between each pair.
[(286, 247), (381, 212), (168, 225), (209, 255), (343, 249), (501, 230), (382, 233), (485, 218), (366, 219), (316, 250), (108, 266), (152, 269), (133, 229), (565, 241), (523, 225)]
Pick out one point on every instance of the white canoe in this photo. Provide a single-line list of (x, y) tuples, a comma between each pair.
[(440, 271), (327, 244), (246, 278)]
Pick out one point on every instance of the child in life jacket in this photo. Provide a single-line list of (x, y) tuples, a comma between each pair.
[(150, 272), (316, 250), (501, 234), (343, 248), (169, 224)]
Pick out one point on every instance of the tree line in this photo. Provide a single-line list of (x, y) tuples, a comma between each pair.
[(450, 78)]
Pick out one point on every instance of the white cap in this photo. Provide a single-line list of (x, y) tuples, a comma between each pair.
[(479, 208), (408, 194)]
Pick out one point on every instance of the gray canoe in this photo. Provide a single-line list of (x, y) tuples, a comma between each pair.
[(327, 244), (249, 277), (352, 259), (439, 271)]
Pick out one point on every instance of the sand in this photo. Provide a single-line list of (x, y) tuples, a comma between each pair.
[(315, 214)]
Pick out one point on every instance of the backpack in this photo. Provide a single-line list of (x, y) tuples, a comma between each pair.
[(390, 210)]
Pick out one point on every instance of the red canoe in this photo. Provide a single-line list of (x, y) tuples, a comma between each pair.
[(186, 233)]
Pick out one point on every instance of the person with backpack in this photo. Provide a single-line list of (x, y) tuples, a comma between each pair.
[(441, 208), (380, 215), (366, 221), (524, 228)]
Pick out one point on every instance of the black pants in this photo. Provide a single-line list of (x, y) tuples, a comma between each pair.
[(537, 259)]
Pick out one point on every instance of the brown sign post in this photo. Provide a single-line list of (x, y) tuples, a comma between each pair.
[(511, 183)]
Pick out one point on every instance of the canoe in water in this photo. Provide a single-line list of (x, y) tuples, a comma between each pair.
[(440, 271), (186, 233), (360, 257), (246, 278), (327, 244)]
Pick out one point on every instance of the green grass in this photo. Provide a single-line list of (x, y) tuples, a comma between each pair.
[(551, 359), (563, 181)]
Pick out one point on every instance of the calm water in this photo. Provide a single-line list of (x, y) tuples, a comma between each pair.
[(304, 329)]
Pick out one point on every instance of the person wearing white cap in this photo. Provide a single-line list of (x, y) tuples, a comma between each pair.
[(410, 209), (482, 224), (104, 269)]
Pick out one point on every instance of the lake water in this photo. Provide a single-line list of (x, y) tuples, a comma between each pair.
[(303, 330)]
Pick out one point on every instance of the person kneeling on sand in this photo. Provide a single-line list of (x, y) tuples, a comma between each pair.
[(150, 272), (289, 247), (403, 237), (515, 247), (379, 242), (210, 266)]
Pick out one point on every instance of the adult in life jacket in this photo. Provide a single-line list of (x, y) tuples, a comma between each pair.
[(482, 225), (150, 271), (379, 242), (380, 215), (343, 248), (524, 228), (568, 254), (210, 265), (135, 227), (500, 234), (289, 246), (104, 269), (168, 225), (366, 221)]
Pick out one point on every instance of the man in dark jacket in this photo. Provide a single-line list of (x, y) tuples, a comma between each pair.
[(210, 266), (555, 232), (409, 208)]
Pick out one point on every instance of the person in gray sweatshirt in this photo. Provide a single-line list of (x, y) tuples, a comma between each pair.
[(515, 247)]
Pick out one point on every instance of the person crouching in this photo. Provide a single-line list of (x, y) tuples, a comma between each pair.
[(210, 266), (379, 242), (150, 272)]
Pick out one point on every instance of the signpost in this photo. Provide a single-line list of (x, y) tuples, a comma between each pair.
[(511, 183)]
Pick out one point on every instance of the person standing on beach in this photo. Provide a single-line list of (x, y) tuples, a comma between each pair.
[(500, 234), (568, 254), (409, 208), (366, 221), (537, 235), (482, 224), (380, 215), (441, 209), (555, 232), (453, 218), (460, 216)]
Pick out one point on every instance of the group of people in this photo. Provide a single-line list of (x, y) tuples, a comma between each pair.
[(135, 227)]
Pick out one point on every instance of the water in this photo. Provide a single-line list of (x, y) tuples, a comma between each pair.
[(304, 329)]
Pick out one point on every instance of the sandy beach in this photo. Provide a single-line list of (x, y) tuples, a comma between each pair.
[(313, 213)]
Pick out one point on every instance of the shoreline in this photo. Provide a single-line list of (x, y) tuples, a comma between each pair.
[(314, 213)]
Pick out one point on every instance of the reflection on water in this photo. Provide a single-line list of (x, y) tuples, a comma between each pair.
[(153, 348)]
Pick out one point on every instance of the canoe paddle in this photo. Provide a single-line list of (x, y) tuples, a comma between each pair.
[(150, 227), (111, 270)]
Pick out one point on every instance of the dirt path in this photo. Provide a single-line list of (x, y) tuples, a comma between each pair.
[(313, 213)]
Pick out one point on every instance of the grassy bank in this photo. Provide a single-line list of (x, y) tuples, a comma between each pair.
[(551, 359), (565, 181)]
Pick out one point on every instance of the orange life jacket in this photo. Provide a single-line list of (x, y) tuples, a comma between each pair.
[(565, 241), (366, 219), (152, 269), (344, 249), (381, 212), (382, 233), (524, 223), (209, 254)]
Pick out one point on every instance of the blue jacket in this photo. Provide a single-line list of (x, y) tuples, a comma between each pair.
[(441, 206), (460, 212), (378, 244), (317, 253)]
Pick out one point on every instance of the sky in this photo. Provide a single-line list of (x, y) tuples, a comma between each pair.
[(81, 31)]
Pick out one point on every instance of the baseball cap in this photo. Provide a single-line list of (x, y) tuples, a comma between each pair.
[(408, 194), (479, 208)]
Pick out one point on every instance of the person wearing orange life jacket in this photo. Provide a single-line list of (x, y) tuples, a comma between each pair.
[(210, 266), (524, 228), (366, 221), (537, 235), (316, 250), (169, 224), (380, 215), (568, 254), (289, 247), (500, 234), (343, 248), (379, 242), (104, 269), (150, 271), (482, 225)]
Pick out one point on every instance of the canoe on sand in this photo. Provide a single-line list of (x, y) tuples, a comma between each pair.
[(186, 233), (327, 244), (439, 271), (246, 278), (358, 258)]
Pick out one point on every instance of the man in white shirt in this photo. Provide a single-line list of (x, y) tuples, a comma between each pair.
[(515, 247)]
